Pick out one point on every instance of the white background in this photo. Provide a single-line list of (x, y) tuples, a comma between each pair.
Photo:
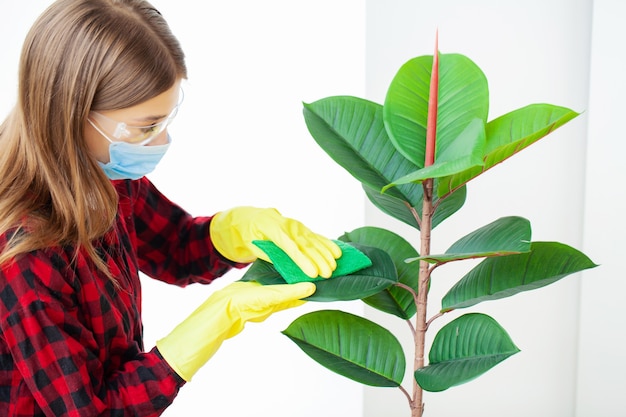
[(240, 139)]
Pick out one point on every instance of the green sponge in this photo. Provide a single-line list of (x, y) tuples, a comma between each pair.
[(351, 260)]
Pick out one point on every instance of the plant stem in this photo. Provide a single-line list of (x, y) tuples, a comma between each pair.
[(421, 325), (435, 317)]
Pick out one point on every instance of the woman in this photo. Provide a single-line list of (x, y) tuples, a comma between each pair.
[(99, 84)]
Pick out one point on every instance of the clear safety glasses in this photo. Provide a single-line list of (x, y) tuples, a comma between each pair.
[(136, 135)]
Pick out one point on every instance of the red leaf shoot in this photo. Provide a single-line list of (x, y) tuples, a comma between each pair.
[(431, 124)]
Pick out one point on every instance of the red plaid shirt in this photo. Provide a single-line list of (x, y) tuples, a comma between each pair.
[(71, 342)]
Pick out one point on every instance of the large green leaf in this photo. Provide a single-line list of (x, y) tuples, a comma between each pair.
[(509, 134), (463, 350), (463, 96), (351, 131), (363, 283), (263, 273), (464, 153), (505, 236), (394, 206), (400, 210), (393, 300), (494, 278), (350, 346)]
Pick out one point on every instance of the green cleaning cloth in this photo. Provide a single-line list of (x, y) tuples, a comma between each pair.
[(351, 260)]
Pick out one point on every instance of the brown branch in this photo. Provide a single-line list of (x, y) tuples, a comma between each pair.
[(435, 317), (406, 393)]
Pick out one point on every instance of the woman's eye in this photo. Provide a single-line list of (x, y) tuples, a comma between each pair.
[(149, 129)]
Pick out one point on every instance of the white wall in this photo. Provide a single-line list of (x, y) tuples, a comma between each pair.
[(240, 139)]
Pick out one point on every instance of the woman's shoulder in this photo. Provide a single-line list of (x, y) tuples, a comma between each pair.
[(45, 275)]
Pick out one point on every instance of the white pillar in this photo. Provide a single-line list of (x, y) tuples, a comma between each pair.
[(602, 358)]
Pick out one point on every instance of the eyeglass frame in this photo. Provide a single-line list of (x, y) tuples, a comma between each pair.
[(122, 128)]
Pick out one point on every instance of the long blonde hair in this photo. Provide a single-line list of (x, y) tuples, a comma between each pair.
[(80, 55)]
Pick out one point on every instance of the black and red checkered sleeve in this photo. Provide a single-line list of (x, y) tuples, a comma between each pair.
[(71, 343), (171, 245)]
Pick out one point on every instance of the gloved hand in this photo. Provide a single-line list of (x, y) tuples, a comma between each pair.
[(233, 231), (223, 315)]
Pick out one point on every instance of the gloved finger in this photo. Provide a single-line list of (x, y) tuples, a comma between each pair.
[(253, 293), (260, 254), (319, 251), (284, 293), (286, 242), (332, 247), (319, 254), (273, 298), (315, 255), (323, 252), (301, 258)]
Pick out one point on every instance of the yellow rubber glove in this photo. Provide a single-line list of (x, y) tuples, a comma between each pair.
[(233, 231), (223, 315)]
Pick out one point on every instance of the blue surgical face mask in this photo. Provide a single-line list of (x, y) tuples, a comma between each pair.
[(128, 161)]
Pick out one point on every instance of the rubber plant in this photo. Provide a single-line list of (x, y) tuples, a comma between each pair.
[(414, 155)]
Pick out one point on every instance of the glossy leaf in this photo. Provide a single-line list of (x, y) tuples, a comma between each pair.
[(463, 350), (350, 346), (464, 153), (395, 207), (393, 300), (351, 131), (505, 236), (495, 278), (463, 97), (509, 134), (400, 210), (264, 273), (364, 283)]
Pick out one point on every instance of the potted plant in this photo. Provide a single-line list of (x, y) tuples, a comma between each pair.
[(414, 155)]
